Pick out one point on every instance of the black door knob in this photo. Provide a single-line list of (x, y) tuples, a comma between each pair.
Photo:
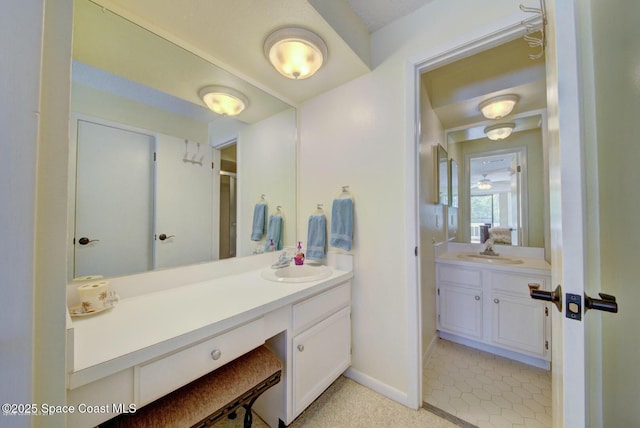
[(164, 236), (84, 240)]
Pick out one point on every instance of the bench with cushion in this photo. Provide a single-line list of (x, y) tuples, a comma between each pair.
[(210, 398)]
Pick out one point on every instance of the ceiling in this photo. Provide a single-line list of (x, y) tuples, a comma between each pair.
[(375, 14), (456, 89), (231, 34)]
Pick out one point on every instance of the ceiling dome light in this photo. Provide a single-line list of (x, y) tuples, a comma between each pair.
[(295, 52), (224, 101), (499, 131), (498, 107), (485, 183)]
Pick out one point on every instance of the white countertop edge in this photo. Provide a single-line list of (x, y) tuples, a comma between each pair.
[(98, 369), (530, 265)]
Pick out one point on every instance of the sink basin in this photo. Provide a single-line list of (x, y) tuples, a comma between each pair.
[(490, 259), (294, 273)]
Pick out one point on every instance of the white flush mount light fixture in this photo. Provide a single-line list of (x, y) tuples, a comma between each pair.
[(498, 107), (499, 131), (296, 53), (224, 101)]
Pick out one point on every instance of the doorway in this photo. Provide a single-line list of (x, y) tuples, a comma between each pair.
[(450, 91), (228, 200)]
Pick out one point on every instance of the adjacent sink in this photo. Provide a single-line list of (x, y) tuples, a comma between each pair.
[(294, 273), (490, 259)]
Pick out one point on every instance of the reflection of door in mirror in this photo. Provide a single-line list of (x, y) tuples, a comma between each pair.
[(228, 201), (114, 201), (143, 200), (496, 201)]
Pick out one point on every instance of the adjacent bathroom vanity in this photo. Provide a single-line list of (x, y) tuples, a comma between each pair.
[(153, 342), (484, 302)]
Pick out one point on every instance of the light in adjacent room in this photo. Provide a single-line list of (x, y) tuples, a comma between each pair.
[(224, 101), (485, 183), (499, 131), (498, 107), (296, 53)]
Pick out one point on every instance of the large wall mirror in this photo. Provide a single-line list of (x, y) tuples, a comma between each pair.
[(498, 183), (158, 179)]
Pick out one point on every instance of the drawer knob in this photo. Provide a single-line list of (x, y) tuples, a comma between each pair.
[(477, 297), (301, 347), (216, 354), (496, 300)]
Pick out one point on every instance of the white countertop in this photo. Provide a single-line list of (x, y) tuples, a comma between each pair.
[(146, 326), (532, 265)]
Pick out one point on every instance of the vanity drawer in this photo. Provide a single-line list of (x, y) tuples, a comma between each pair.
[(158, 378), (321, 306), (459, 275)]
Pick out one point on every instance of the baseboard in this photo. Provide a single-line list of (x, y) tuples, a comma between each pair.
[(430, 348), (377, 386), (526, 359)]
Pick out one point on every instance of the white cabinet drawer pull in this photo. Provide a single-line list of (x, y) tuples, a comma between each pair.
[(496, 300), (477, 297), (216, 354), (301, 347)]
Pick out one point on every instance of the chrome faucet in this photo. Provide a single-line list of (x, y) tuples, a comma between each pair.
[(488, 249)]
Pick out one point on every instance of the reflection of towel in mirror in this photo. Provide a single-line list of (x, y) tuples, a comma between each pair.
[(342, 223), (259, 221), (317, 237), (500, 235), (274, 232)]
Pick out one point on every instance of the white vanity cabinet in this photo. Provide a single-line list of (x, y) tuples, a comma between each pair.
[(189, 331), (489, 307), (321, 347)]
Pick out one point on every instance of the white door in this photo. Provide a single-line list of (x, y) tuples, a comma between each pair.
[(578, 363), (184, 215), (114, 201), (515, 203)]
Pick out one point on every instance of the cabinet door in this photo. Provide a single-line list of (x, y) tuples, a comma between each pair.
[(460, 310), (320, 355), (518, 323)]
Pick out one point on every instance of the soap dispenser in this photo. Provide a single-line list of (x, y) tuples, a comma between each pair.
[(299, 257)]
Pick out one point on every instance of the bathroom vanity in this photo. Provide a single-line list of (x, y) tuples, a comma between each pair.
[(484, 302), (152, 343)]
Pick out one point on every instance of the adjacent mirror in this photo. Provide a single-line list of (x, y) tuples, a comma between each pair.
[(442, 171), (158, 180)]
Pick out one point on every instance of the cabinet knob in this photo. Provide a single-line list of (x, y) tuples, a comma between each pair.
[(301, 347), (216, 354), (496, 300), (477, 297)]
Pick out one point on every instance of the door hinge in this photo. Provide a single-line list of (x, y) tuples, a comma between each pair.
[(519, 168), (438, 291), (415, 251), (546, 311), (154, 156), (546, 344)]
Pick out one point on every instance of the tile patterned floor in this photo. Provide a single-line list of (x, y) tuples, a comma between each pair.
[(487, 390)]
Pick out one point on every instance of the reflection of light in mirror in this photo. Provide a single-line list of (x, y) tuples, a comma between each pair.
[(224, 101)]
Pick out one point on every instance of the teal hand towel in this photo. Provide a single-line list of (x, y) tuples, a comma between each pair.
[(317, 237), (274, 232), (342, 224), (259, 221)]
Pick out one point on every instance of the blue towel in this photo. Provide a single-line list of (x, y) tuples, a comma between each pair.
[(259, 221), (317, 237), (274, 232), (342, 223)]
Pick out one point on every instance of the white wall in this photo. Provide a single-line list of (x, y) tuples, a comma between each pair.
[(267, 165), (33, 122), (431, 216), (359, 135)]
